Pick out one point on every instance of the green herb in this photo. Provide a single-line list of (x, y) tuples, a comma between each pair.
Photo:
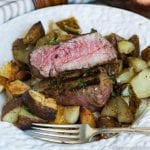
[(93, 30), (53, 41), (112, 78), (87, 72), (113, 94), (54, 84), (82, 83)]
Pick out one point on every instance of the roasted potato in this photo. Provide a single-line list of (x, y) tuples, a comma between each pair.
[(23, 75), (126, 90), (67, 115), (15, 112), (9, 70), (125, 75), (134, 104), (135, 40), (71, 114), (1, 88), (141, 84), (146, 54), (107, 122), (45, 108), (137, 64), (60, 118), (111, 108), (70, 25), (86, 117), (9, 96), (21, 51), (35, 33), (118, 109), (125, 47), (114, 67), (17, 87), (124, 113)]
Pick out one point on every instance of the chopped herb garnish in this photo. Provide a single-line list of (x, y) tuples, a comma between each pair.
[(93, 30), (82, 83), (87, 72), (113, 79), (53, 41), (54, 84), (113, 94)]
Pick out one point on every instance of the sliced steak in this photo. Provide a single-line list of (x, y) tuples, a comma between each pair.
[(92, 97), (84, 51), (91, 92)]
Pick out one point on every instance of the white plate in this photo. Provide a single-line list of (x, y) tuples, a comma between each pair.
[(105, 20)]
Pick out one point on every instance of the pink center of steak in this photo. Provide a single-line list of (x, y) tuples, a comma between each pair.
[(82, 52)]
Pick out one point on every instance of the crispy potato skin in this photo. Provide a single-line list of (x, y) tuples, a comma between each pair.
[(86, 117), (69, 25), (146, 54), (118, 109), (23, 119), (135, 40), (107, 122), (38, 109), (35, 33), (21, 51), (16, 102)]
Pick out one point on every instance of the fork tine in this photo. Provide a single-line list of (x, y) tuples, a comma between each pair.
[(56, 125), (55, 130), (56, 135), (51, 139)]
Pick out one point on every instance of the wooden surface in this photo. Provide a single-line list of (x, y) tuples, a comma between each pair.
[(45, 3), (132, 5)]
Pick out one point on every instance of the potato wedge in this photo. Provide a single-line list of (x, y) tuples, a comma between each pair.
[(124, 113), (141, 84), (45, 108), (21, 51), (9, 70), (15, 112), (125, 76), (107, 122), (126, 91), (137, 64), (86, 117), (17, 87), (71, 114), (146, 54), (135, 40), (60, 118), (125, 47), (110, 109), (11, 110), (118, 109), (67, 115), (35, 33), (70, 25)]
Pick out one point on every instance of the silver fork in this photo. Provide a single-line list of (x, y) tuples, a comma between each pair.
[(77, 133)]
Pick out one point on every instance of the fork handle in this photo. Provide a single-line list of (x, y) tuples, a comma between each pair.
[(118, 130)]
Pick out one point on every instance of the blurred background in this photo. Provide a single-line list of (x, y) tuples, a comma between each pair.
[(139, 6)]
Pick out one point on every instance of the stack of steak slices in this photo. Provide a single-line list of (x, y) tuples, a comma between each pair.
[(72, 72)]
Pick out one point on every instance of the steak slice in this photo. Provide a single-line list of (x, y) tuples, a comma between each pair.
[(82, 52), (92, 93), (92, 97)]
